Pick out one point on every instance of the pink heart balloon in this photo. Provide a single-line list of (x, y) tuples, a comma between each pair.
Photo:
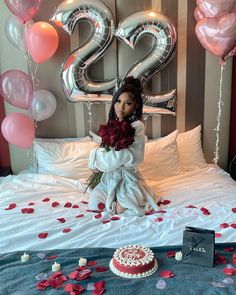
[(218, 35), (216, 8), (24, 9), (18, 129), (197, 14), (42, 41)]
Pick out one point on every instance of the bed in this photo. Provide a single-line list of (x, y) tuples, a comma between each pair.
[(46, 212)]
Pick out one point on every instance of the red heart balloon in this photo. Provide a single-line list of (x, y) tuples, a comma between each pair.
[(216, 8), (218, 34)]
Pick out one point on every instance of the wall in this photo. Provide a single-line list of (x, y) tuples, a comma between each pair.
[(193, 72)]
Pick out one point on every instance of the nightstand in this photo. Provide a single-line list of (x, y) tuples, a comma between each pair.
[(4, 171)]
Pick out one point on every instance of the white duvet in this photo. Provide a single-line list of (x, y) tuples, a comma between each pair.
[(48, 226)]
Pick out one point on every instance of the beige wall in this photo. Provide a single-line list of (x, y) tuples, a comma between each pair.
[(193, 72)]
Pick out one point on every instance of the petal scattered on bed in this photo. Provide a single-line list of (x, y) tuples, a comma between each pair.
[(43, 235)]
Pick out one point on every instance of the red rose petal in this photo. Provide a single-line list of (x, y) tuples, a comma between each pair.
[(68, 205), (92, 263), (191, 206), (42, 285), (233, 225), (84, 202), (99, 285), (224, 225), (93, 211), (150, 212), (167, 274), (229, 271), (75, 206), (101, 206), (165, 202), (46, 200), (11, 206), (43, 235), (98, 216), (101, 268), (62, 220), (106, 221), (229, 249), (66, 230), (160, 211), (27, 210), (51, 257), (115, 218), (218, 235), (55, 204), (158, 219), (73, 287), (234, 210), (31, 204), (98, 291), (79, 216), (170, 254), (73, 275), (205, 211)]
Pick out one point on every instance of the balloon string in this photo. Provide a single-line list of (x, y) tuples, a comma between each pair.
[(217, 129), (90, 120)]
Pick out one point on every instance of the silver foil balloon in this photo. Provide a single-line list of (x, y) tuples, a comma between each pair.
[(130, 30), (74, 73)]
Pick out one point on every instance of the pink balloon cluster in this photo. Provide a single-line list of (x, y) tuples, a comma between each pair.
[(40, 39), (216, 26)]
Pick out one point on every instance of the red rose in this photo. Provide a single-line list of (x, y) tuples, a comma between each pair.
[(117, 134)]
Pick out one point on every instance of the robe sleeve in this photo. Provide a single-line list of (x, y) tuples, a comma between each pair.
[(130, 157)]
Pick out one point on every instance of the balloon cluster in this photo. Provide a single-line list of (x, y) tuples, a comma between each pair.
[(36, 40), (216, 26)]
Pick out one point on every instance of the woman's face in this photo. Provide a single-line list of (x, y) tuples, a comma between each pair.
[(125, 106)]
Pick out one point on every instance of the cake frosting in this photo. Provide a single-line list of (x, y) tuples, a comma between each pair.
[(133, 261)]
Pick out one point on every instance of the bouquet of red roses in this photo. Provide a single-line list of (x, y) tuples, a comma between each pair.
[(115, 134)]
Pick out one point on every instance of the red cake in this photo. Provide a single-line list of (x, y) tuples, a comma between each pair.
[(133, 261)]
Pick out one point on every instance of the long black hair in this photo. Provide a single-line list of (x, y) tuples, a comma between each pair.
[(133, 87)]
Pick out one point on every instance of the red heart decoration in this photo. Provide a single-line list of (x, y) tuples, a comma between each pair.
[(218, 35)]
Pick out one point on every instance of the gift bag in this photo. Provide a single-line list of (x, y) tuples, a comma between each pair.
[(198, 246)]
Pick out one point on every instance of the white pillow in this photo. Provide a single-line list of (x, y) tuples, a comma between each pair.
[(61, 140), (68, 159), (190, 149), (161, 158)]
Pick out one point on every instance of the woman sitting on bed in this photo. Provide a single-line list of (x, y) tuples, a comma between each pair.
[(122, 188)]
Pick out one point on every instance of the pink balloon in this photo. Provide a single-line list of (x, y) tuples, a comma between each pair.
[(24, 9), (218, 34), (18, 129), (42, 41), (197, 14), (16, 87), (216, 8)]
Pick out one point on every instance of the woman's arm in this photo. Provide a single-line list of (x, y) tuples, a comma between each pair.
[(133, 155)]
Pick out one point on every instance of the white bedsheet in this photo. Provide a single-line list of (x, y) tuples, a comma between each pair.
[(210, 188)]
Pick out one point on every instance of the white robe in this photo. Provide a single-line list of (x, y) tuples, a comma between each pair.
[(121, 180)]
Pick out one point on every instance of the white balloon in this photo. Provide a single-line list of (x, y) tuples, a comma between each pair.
[(43, 105), (14, 30)]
